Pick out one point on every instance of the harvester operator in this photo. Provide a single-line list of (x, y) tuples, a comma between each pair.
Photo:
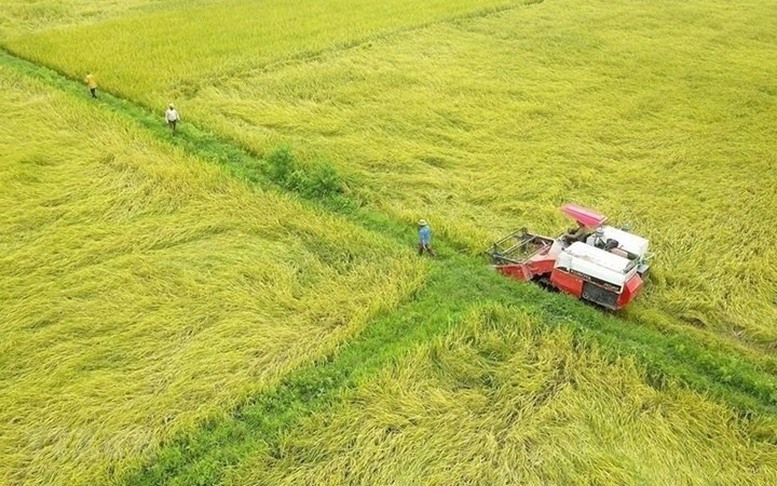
[(577, 234)]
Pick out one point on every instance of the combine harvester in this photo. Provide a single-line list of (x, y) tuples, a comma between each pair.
[(594, 262)]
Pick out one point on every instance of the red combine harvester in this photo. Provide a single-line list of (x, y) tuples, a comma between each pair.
[(594, 262)]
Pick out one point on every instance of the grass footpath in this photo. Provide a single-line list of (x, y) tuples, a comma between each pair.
[(456, 284)]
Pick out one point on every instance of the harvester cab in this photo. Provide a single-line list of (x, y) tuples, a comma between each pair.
[(594, 261)]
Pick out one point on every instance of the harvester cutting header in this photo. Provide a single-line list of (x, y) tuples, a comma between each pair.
[(594, 262)]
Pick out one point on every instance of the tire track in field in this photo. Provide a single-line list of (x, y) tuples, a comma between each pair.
[(456, 283)]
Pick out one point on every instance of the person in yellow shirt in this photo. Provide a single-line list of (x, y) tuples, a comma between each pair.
[(91, 82)]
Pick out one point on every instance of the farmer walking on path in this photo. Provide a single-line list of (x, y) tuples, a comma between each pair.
[(91, 82), (425, 238), (172, 117)]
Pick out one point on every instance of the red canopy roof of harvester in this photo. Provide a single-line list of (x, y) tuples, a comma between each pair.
[(583, 215)]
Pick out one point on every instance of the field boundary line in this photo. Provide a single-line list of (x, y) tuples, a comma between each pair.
[(303, 57)]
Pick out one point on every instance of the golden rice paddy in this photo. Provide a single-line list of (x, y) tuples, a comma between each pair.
[(498, 402), (172, 50), (638, 110), (656, 113), (144, 291)]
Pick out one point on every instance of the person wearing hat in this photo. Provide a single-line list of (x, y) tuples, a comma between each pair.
[(172, 117), (424, 238), (577, 234), (91, 82)]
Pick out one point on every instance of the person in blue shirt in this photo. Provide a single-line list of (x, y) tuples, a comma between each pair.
[(425, 238)]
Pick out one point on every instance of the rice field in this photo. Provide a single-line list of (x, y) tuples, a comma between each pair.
[(144, 290), (172, 52), (499, 402), (150, 299), (656, 113), (18, 17)]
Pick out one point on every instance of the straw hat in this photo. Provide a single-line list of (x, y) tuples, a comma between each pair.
[(172, 106), (422, 222)]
